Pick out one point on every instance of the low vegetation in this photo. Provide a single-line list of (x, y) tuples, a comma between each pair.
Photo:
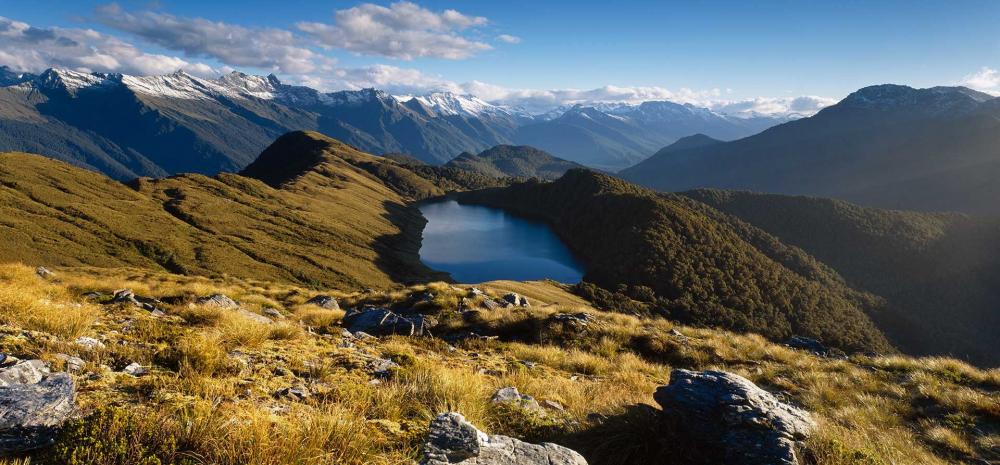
[(213, 391)]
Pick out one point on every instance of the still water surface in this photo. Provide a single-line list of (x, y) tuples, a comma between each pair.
[(477, 244)]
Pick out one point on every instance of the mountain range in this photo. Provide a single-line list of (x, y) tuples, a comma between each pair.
[(889, 146), (519, 161), (132, 126)]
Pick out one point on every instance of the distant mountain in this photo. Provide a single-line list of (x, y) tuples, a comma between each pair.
[(129, 126), (616, 136), (514, 161), (939, 273), (889, 146)]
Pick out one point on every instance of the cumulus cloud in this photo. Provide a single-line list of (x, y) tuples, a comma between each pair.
[(783, 106), (507, 38), (984, 79), (268, 48), (403, 30), (24, 47)]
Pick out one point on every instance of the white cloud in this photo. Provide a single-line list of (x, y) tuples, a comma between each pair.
[(984, 79), (507, 38), (277, 50), (24, 47), (402, 30), (804, 105)]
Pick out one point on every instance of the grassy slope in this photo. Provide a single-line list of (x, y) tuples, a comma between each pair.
[(201, 402), (698, 264), (940, 273), (513, 161), (337, 224)]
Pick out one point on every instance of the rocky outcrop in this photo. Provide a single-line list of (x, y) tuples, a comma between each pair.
[(729, 416), (384, 322), (454, 441), (516, 300), (324, 301), (33, 405)]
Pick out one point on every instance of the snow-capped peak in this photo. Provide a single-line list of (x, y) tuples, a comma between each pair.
[(69, 80), (449, 104)]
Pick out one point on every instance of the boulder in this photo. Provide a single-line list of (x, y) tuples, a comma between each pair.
[(44, 273), (324, 301), (24, 372), (729, 416), (384, 322), (273, 313), (134, 369), (454, 441), (516, 300), (490, 304), (72, 363), (807, 344), (218, 300), (89, 343), (294, 393), (31, 413), (510, 395), (382, 368)]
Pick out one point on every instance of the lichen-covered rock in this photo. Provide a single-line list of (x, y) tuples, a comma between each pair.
[(454, 441), (23, 372), (728, 414), (31, 413), (324, 301), (219, 300), (510, 395)]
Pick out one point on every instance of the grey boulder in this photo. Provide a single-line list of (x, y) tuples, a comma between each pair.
[(384, 322), (31, 413), (511, 396), (23, 372), (729, 414), (454, 441), (324, 301), (218, 300)]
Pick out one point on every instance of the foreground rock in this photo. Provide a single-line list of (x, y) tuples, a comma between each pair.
[(730, 416), (324, 301), (454, 441), (384, 322), (32, 412)]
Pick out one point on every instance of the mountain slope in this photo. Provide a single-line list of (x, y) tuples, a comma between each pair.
[(885, 146), (699, 265), (513, 161), (939, 273), (331, 222)]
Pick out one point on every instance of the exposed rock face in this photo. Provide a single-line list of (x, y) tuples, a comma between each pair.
[(324, 301), (384, 322), (23, 372), (32, 412), (452, 440), (727, 413)]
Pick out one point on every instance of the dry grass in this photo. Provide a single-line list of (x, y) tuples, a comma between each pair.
[(211, 395)]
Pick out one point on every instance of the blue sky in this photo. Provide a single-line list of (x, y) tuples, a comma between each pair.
[(693, 51)]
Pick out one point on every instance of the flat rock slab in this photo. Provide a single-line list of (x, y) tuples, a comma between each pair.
[(30, 414), (454, 441)]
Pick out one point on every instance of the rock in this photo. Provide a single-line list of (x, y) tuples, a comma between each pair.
[(294, 392), (490, 304), (23, 372), (254, 316), (476, 291), (134, 369), (729, 415), (44, 273), (89, 343), (510, 395), (93, 295), (72, 363), (324, 301), (553, 405), (273, 313), (516, 300), (125, 296), (382, 367), (578, 321), (454, 441), (384, 322), (218, 300), (807, 344), (31, 413)]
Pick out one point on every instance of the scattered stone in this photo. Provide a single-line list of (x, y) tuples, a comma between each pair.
[(89, 343), (529, 365), (44, 273), (24, 372), (510, 395), (553, 405), (273, 313), (476, 291), (324, 301), (675, 333), (31, 413), (363, 335), (729, 415), (72, 363), (516, 300), (294, 392), (807, 344), (93, 295), (125, 296), (218, 300), (425, 297), (454, 441), (577, 321), (254, 316), (134, 369), (490, 304), (384, 322), (382, 368), (157, 313)]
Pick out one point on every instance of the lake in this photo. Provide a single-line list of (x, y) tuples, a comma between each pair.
[(476, 244)]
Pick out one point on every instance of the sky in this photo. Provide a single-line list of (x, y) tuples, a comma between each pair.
[(767, 56)]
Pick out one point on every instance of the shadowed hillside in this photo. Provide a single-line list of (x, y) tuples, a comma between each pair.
[(519, 161), (693, 263), (939, 273), (331, 221)]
